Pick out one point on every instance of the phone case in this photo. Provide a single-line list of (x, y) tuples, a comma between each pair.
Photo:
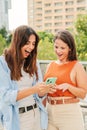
[(51, 80)]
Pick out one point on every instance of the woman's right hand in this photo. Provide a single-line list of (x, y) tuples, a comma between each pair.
[(43, 89)]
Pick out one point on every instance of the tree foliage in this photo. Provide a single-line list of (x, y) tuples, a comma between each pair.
[(45, 48), (2, 44), (81, 36), (5, 39)]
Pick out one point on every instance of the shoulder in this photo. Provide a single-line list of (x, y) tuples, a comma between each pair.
[(79, 67), (2, 60), (3, 63), (50, 64)]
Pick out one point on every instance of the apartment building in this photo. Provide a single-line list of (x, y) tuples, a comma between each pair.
[(4, 6), (51, 15)]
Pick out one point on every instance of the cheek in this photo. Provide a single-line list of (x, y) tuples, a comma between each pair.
[(33, 48)]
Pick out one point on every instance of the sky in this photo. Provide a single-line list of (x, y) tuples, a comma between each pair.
[(17, 13)]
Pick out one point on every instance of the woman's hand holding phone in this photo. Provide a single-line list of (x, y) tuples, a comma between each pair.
[(50, 82)]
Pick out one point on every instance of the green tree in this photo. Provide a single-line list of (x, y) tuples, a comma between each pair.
[(44, 34), (5, 34), (5, 39), (2, 44), (81, 36), (45, 48)]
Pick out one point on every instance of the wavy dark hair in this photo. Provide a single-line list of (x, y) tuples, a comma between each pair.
[(67, 37), (13, 53)]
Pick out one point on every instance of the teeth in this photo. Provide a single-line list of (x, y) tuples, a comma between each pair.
[(27, 51)]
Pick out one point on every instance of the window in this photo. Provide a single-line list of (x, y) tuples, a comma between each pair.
[(48, 24), (80, 8), (48, 18), (39, 14), (57, 10), (69, 9), (69, 2), (6, 7), (39, 9), (48, 11), (80, 1), (48, 4), (69, 23), (69, 16), (48, 30), (58, 4), (39, 2), (58, 23), (58, 17)]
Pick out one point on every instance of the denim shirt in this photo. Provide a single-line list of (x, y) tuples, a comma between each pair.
[(8, 105), (43, 111), (8, 95)]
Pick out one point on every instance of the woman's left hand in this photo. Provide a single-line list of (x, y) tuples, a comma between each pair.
[(63, 87)]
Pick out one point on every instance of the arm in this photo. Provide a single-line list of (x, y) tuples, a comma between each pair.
[(8, 88), (81, 80)]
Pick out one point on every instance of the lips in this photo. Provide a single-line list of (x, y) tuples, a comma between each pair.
[(27, 51)]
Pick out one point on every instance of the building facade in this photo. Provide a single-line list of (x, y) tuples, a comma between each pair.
[(4, 6), (51, 15)]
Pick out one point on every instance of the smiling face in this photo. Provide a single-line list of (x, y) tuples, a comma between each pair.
[(61, 49), (28, 47)]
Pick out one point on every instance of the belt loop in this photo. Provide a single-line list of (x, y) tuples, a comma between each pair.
[(55, 102), (63, 101), (33, 110), (25, 109)]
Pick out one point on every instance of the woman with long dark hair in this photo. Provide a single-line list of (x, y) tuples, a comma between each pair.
[(19, 70)]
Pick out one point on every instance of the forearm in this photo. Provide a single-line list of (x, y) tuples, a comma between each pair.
[(78, 92), (26, 92)]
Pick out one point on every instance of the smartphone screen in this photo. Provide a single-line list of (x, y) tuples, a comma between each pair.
[(51, 80)]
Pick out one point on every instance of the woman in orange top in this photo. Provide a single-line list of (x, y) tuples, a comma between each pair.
[(64, 112)]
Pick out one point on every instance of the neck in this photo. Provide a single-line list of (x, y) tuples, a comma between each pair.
[(62, 62)]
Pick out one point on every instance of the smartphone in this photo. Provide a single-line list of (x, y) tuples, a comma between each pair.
[(51, 80)]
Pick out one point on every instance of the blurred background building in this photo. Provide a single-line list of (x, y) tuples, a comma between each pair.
[(51, 15), (4, 6)]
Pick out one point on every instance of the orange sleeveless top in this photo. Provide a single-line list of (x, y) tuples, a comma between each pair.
[(62, 72)]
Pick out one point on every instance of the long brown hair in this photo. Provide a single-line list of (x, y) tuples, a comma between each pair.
[(13, 53)]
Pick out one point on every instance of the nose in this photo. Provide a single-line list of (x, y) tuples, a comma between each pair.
[(58, 50), (31, 46)]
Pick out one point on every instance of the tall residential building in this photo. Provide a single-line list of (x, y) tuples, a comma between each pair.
[(51, 15), (4, 6)]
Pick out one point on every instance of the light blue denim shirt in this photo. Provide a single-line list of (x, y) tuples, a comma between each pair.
[(43, 112), (8, 105), (8, 95)]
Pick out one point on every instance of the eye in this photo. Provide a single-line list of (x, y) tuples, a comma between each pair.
[(56, 47), (62, 48), (33, 43), (28, 42)]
